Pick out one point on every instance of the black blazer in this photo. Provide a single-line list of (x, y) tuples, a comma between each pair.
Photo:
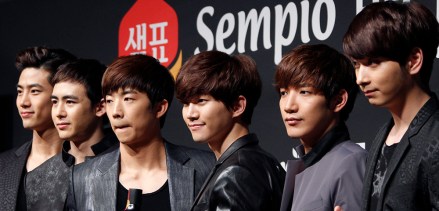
[(245, 177), (12, 165), (412, 178)]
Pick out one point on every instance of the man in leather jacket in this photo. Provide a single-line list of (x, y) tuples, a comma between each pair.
[(219, 93)]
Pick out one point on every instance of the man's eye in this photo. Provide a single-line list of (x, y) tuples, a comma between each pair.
[(305, 92), (356, 64), (35, 91)]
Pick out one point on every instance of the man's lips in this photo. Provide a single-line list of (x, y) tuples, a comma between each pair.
[(26, 114), (62, 125), (368, 93), (292, 121), (120, 127), (195, 126)]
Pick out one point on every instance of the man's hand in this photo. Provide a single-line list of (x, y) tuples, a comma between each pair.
[(338, 208)]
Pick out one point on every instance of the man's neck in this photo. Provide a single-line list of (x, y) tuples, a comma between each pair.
[(81, 149), (148, 155), (45, 144), (220, 146), (318, 133), (143, 167)]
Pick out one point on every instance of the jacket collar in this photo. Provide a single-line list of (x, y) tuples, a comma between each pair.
[(109, 141), (177, 172), (24, 149), (333, 137), (180, 177), (173, 156), (423, 115), (249, 139), (246, 140)]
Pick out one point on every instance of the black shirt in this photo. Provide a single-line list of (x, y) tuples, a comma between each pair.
[(380, 173), (21, 195), (107, 144), (155, 201)]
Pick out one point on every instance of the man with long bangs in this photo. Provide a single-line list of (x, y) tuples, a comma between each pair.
[(393, 47), (317, 90)]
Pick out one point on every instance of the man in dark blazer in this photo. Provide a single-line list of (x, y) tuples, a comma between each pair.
[(219, 93), (32, 177), (138, 93), (393, 46)]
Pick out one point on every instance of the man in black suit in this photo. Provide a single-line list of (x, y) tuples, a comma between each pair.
[(393, 46), (32, 177)]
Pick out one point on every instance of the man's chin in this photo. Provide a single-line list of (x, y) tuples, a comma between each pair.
[(199, 141)]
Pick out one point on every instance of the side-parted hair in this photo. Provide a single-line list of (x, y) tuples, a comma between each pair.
[(322, 68), (392, 30), (87, 72), (142, 73), (48, 59), (222, 76)]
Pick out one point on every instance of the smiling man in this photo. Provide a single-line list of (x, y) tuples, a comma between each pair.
[(219, 93), (32, 177), (138, 91), (317, 90)]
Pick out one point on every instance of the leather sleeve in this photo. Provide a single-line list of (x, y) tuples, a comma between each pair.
[(230, 193)]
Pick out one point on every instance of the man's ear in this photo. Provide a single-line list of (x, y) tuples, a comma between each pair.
[(339, 101), (161, 108), (100, 108), (239, 106), (415, 61)]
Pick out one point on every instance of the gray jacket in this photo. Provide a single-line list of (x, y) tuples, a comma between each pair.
[(94, 184), (337, 179), (12, 165), (330, 175)]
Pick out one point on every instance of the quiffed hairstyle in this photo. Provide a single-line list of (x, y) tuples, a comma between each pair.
[(392, 30), (142, 73), (321, 67), (222, 76), (48, 59), (87, 72)]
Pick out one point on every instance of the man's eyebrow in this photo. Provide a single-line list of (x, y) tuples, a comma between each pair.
[(129, 91), (65, 97), (70, 97), (30, 85)]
